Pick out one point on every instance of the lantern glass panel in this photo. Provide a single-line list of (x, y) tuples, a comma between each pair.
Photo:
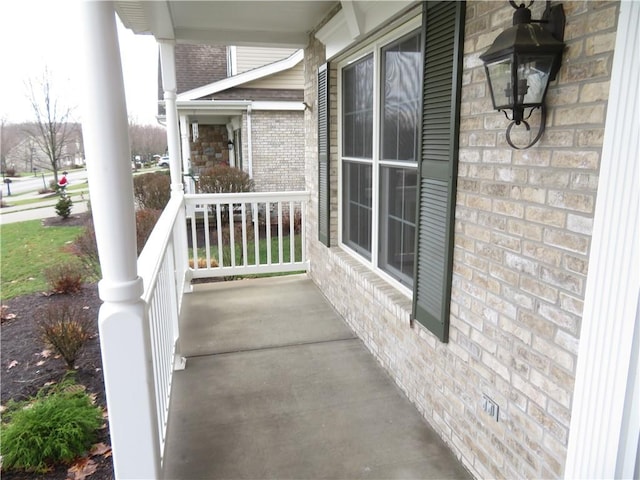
[(533, 76), (500, 82)]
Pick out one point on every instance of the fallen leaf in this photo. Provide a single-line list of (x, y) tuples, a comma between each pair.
[(2, 408), (12, 364), (9, 316), (100, 449), (40, 363), (86, 308), (82, 468), (48, 384), (45, 353)]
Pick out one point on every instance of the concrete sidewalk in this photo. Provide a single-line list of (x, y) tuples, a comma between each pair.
[(277, 386)]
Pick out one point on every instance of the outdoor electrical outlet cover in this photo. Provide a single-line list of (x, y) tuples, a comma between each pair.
[(490, 407)]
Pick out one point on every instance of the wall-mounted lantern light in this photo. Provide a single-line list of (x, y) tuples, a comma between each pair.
[(522, 61), (194, 130), (230, 145)]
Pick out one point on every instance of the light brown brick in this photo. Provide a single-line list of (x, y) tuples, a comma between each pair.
[(575, 159), (547, 216), (591, 114), (595, 92), (566, 241)]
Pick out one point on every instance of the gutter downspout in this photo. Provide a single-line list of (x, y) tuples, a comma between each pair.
[(249, 143), (186, 155)]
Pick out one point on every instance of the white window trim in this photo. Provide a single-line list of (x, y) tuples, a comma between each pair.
[(374, 48)]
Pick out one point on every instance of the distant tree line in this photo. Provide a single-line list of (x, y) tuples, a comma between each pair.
[(53, 141), (21, 147)]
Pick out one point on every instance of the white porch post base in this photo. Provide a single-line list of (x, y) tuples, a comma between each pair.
[(179, 362), (124, 341)]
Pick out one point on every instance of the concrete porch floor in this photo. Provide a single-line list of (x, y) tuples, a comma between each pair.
[(277, 386)]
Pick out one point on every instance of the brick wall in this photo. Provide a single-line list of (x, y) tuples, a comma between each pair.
[(198, 65), (277, 148), (522, 236)]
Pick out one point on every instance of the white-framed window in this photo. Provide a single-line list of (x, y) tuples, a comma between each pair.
[(380, 93)]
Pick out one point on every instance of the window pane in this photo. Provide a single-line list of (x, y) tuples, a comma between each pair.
[(397, 222), (357, 108), (402, 80), (356, 206)]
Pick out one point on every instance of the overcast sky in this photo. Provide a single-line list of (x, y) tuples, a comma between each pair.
[(35, 35)]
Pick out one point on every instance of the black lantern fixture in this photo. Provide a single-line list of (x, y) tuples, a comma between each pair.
[(522, 61)]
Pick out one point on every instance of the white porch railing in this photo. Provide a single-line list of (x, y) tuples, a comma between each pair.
[(162, 266), (229, 234), (246, 233)]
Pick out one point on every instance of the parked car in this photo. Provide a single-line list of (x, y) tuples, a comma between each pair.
[(163, 162)]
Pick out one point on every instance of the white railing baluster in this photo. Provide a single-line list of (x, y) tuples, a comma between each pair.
[(268, 230), (207, 240), (292, 237), (194, 239), (219, 231), (245, 257), (232, 237), (280, 238), (256, 232)]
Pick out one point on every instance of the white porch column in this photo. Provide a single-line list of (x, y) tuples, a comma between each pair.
[(186, 153), (605, 417), (124, 336), (170, 87)]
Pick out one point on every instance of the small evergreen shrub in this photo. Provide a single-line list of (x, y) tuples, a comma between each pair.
[(63, 207), (65, 277), (152, 190), (65, 327), (10, 172), (54, 427)]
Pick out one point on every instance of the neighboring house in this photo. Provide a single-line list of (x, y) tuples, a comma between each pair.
[(27, 155), (467, 268), (242, 106)]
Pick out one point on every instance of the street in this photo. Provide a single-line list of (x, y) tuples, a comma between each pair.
[(30, 183)]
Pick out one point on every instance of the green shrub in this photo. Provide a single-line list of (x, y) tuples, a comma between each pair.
[(65, 277), (55, 427), (65, 327), (63, 207), (152, 190), (224, 179)]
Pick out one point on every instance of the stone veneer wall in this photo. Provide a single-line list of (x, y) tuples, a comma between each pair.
[(522, 236), (210, 148), (277, 139)]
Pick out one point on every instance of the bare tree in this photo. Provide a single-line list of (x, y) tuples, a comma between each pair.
[(51, 130), (9, 139), (146, 140)]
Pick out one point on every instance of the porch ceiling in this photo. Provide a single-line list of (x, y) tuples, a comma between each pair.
[(265, 23)]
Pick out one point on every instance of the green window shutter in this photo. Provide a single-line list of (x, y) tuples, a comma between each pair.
[(443, 36), (323, 154)]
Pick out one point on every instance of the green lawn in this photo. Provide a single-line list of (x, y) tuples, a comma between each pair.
[(26, 250)]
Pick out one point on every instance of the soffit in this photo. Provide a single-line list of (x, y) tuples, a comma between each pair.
[(267, 23)]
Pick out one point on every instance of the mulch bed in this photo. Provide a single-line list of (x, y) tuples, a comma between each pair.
[(26, 367)]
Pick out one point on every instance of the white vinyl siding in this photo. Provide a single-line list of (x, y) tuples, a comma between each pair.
[(248, 58)]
